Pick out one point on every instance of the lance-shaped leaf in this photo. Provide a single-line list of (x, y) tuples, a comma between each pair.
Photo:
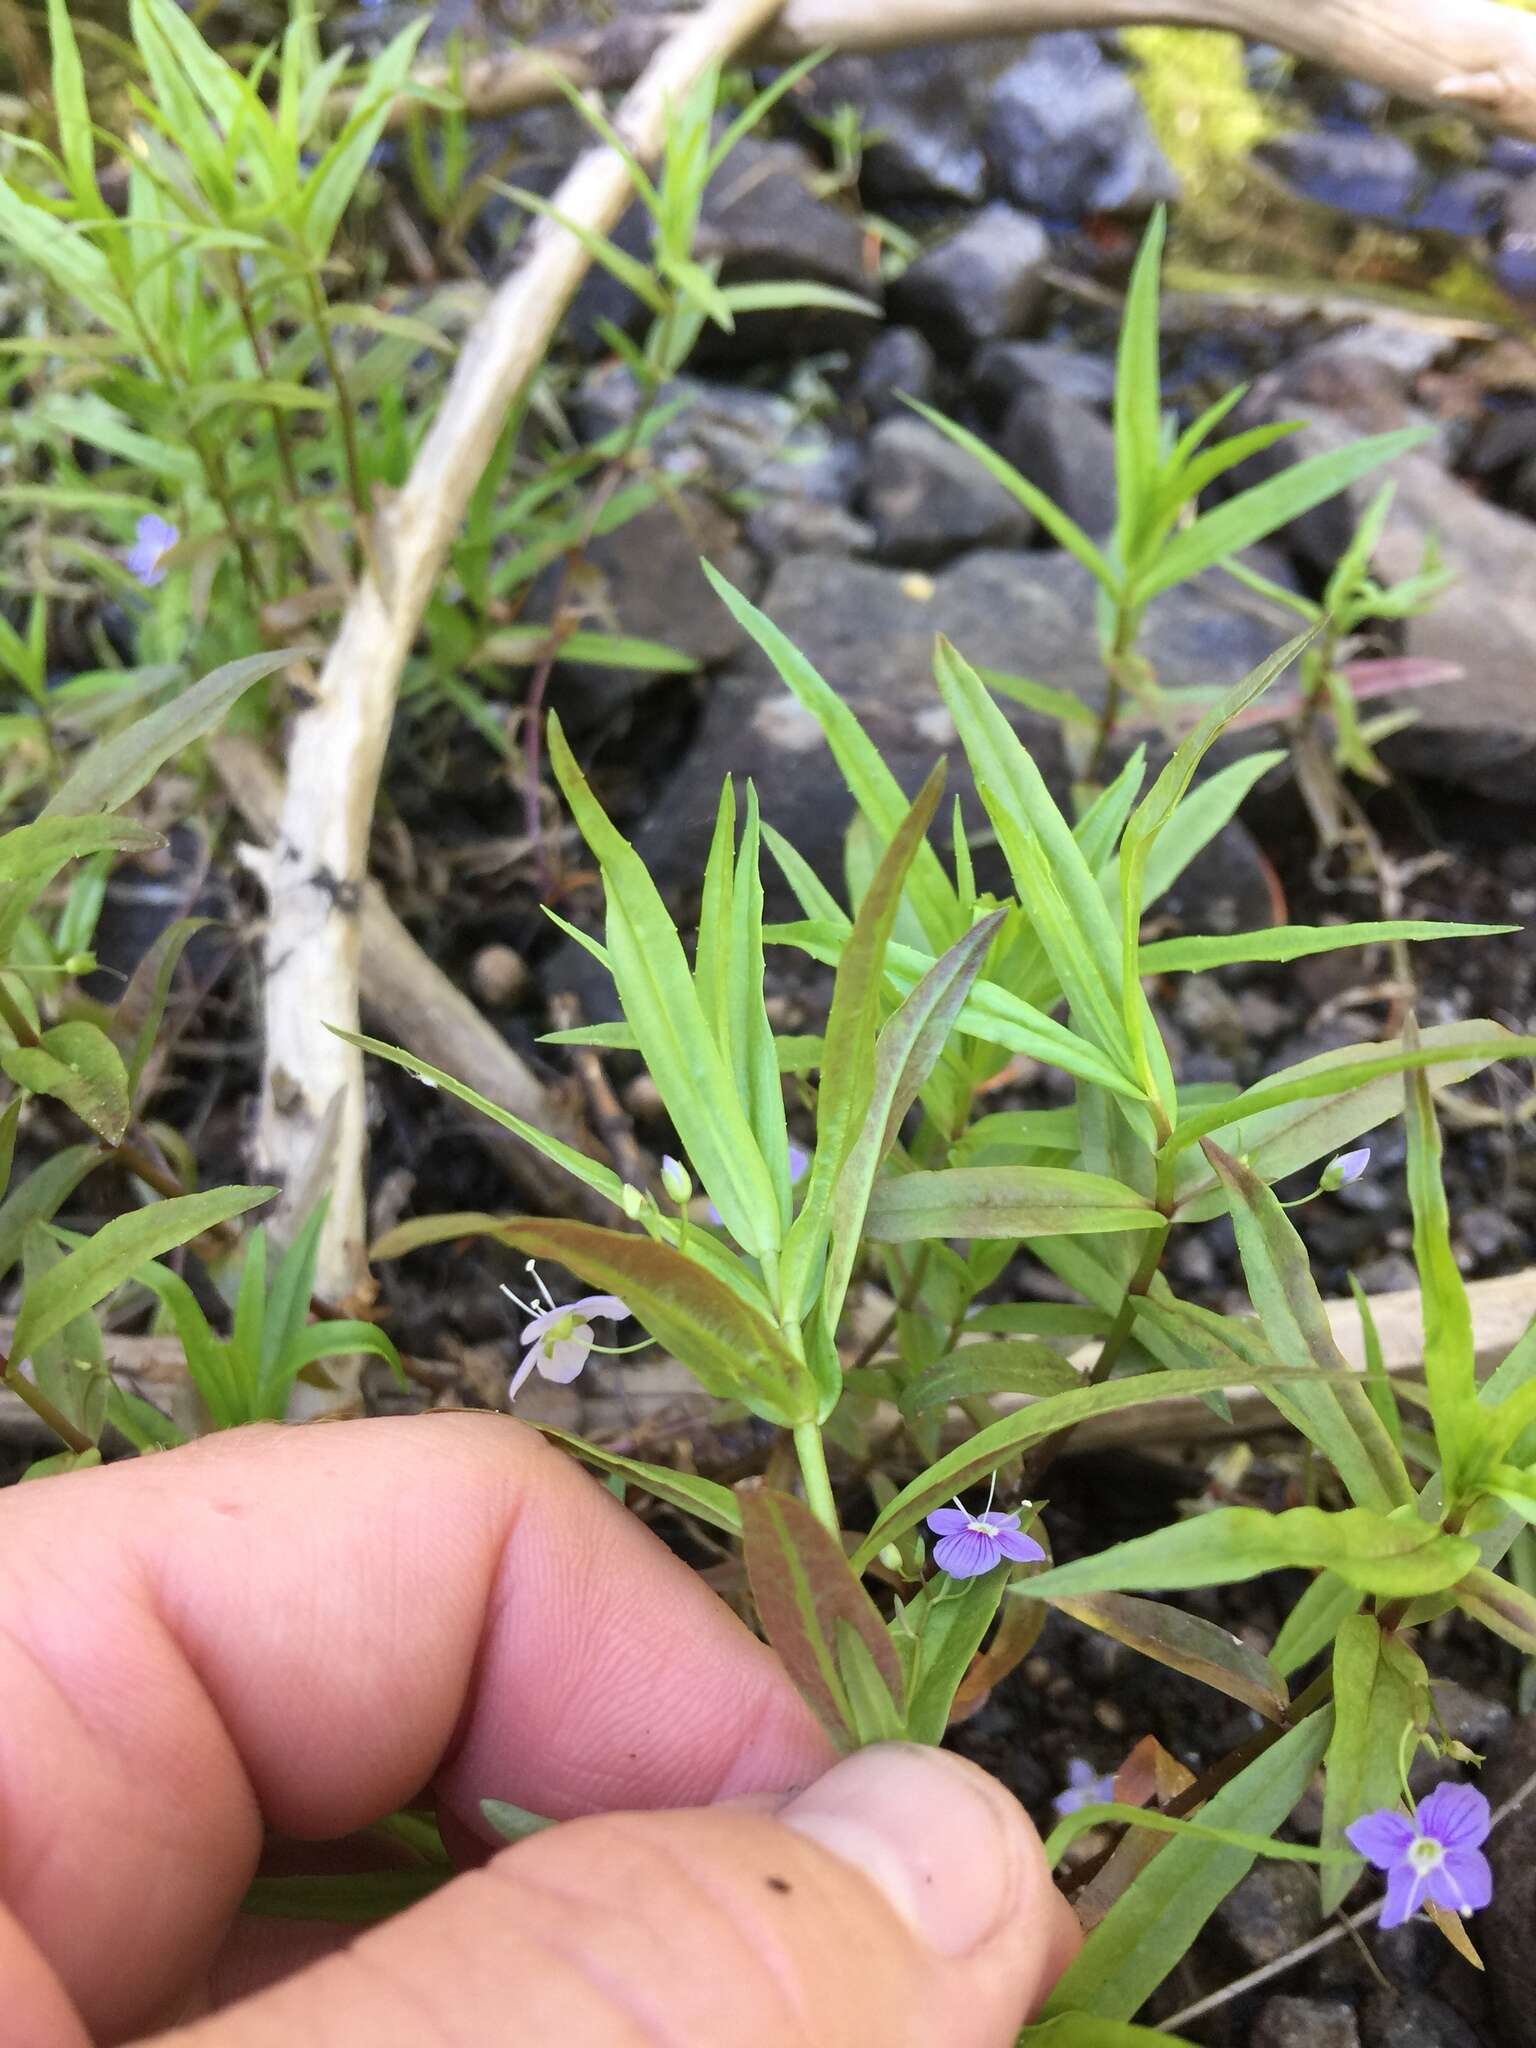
[(1338, 1418), (732, 1351), (108, 1258), (803, 1587), (141, 1007), (1144, 1934), (1184, 1642), (78, 1064), (948, 1620), (874, 788), (1299, 942), (1380, 1691), (116, 769), (848, 1058), (35, 853), (1009, 1365), (1505, 1609), (906, 1053), (1450, 1351), (1396, 1556), (1011, 1434), (662, 1005), (1003, 1202), (1313, 1622), (704, 1498)]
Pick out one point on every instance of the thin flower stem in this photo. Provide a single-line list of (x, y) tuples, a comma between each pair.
[(348, 417), (43, 1408), (813, 1471)]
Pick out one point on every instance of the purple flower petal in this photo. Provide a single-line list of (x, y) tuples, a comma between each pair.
[(1350, 1166), (948, 1521), (1456, 1815), (602, 1305), (1382, 1838), (1463, 1883), (1021, 1549), (153, 536), (567, 1355), (530, 1360), (965, 1555), (1405, 1890), (799, 1160)]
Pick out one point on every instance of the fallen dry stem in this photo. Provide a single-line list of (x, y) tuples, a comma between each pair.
[(337, 741)]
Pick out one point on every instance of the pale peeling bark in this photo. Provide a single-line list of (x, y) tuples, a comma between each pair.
[(1478, 55), (336, 745)]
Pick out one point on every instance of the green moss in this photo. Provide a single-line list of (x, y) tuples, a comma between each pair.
[(1207, 117)]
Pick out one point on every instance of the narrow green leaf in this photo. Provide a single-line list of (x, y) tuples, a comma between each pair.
[(1184, 1642), (357, 1900), (802, 1587), (1008, 1365), (118, 768), (1379, 1691), (1378, 1385), (1503, 1608), (1267, 506), (1337, 1417), (116, 1250), (1450, 1350), (711, 1503), (72, 110), (514, 1823), (35, 1199), (1151, 1926), (330, 187), (1003, 1202), (1298, 942), (1207, 808), (1138, 392), (949, 1619), (660, 1002), (79, 1065), (140, 1008), (1061, 705), (1313, 1622)]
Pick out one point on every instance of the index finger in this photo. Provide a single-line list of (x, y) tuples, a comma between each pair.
[(305, 1627)]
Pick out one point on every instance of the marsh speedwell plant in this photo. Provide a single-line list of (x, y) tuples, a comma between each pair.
[(223, 438)]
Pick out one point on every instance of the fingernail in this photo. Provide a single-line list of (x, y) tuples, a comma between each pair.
[(941, 1840)]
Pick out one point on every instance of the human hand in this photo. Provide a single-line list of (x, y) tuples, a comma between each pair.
[(300, 1630)]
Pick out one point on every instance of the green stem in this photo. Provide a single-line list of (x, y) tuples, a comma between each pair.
[(360, 505), (43, 1408), (813, 1471)]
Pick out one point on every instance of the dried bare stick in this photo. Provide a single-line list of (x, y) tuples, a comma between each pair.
[(1478, 55), (336, 746), (411, 999)]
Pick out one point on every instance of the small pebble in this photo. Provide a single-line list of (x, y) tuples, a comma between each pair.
[(499, 976)]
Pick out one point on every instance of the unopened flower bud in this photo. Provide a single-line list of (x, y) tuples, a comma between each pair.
[(676, 1179), (1348, 1167)]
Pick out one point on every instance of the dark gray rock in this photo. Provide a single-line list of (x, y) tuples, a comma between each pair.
[(1068, 451), (1067, 134), (1306, 2023), (976, 285), (1411, 1954), (900, 364), (644, 579), (762, 222), (1414, 2019), (735, 439), (1273, 1910), (1366, 172), (1000, 370), (930, 500), (921, 112), (784, 525)]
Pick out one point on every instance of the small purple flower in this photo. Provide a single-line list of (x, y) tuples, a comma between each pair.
[(970, 1544), (1085, 1787), (154, 537), (1348, 1167), (1437, 1856), (559, 1338)]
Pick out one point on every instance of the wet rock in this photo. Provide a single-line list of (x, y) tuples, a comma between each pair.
[(1504, 1928), (1273, 1910), (1068, 451), (1001, 370), (1305, 2023), (929, 499), (922, 112), (1411, 1954), (1413, 2019), (1482, 1234), (761, 222), (900, 364), (1067, 134), (976, 285)]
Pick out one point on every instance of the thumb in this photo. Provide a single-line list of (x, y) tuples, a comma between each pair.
[(903, 1898)]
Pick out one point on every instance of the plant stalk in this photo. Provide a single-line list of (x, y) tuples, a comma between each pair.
[(813, 1471)]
